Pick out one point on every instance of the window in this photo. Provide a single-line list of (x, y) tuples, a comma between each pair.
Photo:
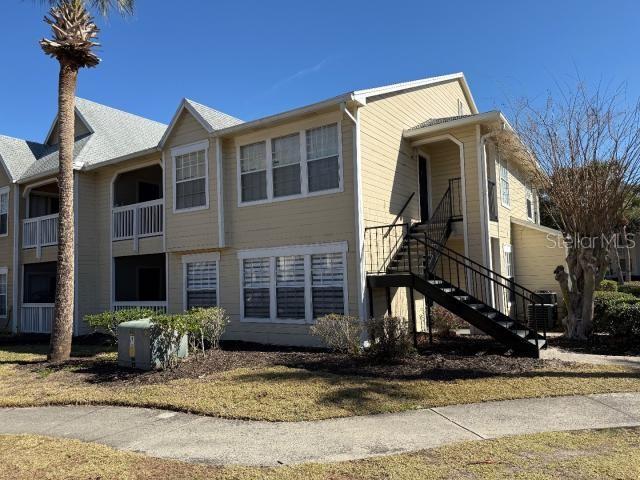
[(293, 284), (323, 164), (290, 287), (285, 157), (3, 292), (508, 261), (327, 277), (529, 200), (39, 282), (200, 280), (504, 185), (296, 165), (4, 211), (191, 177), (253, 172), (256, 274)]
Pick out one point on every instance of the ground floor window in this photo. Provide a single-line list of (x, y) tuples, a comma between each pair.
[(39, 282), (3, 291), (293, 284), (200, 280)]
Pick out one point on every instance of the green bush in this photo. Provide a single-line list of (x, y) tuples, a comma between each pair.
[(206, 325), (167, 332), (632, 288), (608, 286), (341, 333), (390, 337), (109, 321), (616, 313)]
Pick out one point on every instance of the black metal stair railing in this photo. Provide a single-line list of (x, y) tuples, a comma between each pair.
[(477, 281)]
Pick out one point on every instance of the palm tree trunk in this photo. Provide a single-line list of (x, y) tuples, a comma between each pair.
[(62, 328)]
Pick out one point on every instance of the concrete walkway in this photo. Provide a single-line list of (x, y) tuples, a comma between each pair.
[(225, 442), (567, 356)]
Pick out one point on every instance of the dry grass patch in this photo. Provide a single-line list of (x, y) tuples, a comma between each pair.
[(586, 455), (284, 393)]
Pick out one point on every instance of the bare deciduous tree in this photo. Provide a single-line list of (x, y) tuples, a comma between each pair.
[(584, 151)]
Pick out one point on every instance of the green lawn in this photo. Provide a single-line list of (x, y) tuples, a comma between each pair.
[(586, 455), (280, 393)]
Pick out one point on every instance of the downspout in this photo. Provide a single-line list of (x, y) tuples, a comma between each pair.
[(16, 258), (359, 213)]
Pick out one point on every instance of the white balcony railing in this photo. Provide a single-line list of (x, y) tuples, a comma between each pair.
[(159, 307), (36, 317), (40, 232), (139, 220)]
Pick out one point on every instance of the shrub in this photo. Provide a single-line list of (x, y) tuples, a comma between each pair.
[(608, 286), (390, 337), (616, 313), (109, 321), (341, 333), (444, 321), (206, 325), (632, 288), (167, 332)]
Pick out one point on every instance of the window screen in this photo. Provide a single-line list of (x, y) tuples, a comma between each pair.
[(285, 154), (253, 172), (201, 284), (323, 167), (191, 181), (257, 279), (290, 287), (327, 277)]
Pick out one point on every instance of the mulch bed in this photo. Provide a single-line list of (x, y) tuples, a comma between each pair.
[(450, 359)]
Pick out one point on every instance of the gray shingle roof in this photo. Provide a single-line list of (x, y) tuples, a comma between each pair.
[(18, 155), (437, 121), (114, 134), (215, 119)]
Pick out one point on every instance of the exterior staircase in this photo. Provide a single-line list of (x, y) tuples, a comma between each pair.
[(415, 257)]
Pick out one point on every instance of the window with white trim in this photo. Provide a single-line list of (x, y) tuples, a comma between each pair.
[(201, 283), (4, 211), (327, 280), (323, 165), (256, 275), (295, 284), (504, 185), (529, 201), (303, 163), (285, 158), (253, 172), (190, 182), (3, 292), (508, 261), (290, 286)]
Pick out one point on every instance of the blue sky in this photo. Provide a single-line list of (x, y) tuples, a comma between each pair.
[(252, 59)]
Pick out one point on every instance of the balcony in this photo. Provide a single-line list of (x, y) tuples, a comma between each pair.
[(40, 232), (140, 220)]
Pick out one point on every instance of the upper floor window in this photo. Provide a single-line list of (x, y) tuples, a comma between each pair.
[(529, 201), (504, 185), (4, 211), (191, 174), (296, 165)]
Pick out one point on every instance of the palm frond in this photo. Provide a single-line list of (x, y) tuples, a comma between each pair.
[(104, 7)]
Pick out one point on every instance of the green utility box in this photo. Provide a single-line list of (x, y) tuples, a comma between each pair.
[(136, 345)]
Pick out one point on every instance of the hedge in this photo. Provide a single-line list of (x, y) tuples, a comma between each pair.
[(616, 313), (632, 288)]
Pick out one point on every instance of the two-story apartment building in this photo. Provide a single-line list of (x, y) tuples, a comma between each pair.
[(279, 220)]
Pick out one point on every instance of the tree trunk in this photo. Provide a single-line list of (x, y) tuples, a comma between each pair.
[(62, 328), (586, 266), (615, 262), (627, 254)]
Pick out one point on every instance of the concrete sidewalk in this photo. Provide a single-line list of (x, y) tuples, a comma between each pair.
[(226, 442)]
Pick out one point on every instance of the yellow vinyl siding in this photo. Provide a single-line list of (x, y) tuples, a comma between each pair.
[(535, 256), (389, 171), (190, 229), (324, 218), (6, 251)]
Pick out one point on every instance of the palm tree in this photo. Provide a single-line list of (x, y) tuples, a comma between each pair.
[(72, 44)]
